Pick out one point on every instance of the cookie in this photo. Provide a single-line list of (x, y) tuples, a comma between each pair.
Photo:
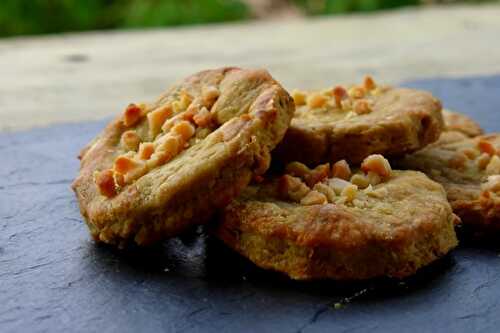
[(353, 123), (332, 222), (159, 168), (454, 121), (469, 170)]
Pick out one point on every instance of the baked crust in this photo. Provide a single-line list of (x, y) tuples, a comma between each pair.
[(459, 122), (249, 117), (462, 165), (401, 121), (404, 224)]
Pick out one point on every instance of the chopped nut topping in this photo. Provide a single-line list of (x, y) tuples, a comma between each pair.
[(373, 178), (316, 100), (492, 184), (378, 164), (341, 170), (297, 169), (357, 92), (169, 145), (486, 147), (346, 105), (326, 190), (314, 198), (125, 164), (185, 100), (483, 160), (209, 95), (132, 115), (369, 83), (318, 174), (338, 184), (470, 153), (130, 140), (493, 167), (184, 129), (203, 118), (105, 183), (360, 180), (157, 118), (146, 150), (293, 188), (457, 161), (362, 107), (350, 192), (299, 97), (339, 93)]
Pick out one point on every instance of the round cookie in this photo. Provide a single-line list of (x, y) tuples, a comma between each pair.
[(454, 121), (327, 223), (157, 169), (353, 123), (469, 170)]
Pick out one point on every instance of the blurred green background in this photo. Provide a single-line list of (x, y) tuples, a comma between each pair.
[(27, 17)]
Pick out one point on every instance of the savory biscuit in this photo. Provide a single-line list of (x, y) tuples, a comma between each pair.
[(469, 170), (330, 222), (454, 121), (353, 123), (157, 169)]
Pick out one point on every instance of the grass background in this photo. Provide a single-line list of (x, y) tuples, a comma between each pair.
[(26, 17)]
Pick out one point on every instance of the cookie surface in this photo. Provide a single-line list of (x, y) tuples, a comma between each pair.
[(353, 123), (455, 121), (309, 224), (157, 169), (469, 170)]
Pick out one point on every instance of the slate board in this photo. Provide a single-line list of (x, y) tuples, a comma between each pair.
[(53, 278)]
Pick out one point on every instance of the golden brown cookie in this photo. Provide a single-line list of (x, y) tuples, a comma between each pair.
[(157, 169), (469, 170), (353, 123), (333, 223), (454, 121)]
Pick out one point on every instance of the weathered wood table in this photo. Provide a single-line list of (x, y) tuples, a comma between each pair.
[(55, 93)]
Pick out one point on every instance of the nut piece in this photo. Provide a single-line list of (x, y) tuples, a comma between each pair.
[(341, 170), (203, 118), (369, 83), (350, 192), (132, 115), (357, 92), (299, 97), (125, 164), (293, 188), (486, 147), (105, 183), (184, 129), (362, 107), (492, 184), (314, 198), (146, 150), (360, 180), (493, 168), (209, 94), (316, 100), (378, 164), (338, 184), (130, 140), (297, 169), (326, 190), (457, 161), (157, 118), (318, 174), (482, 161), (185, 100), (339, 93)]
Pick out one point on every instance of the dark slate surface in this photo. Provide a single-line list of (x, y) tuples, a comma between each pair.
[(54, 278)]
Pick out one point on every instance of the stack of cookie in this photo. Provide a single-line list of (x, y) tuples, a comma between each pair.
[(302, 184)]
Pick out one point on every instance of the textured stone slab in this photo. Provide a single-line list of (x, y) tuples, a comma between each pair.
[(53, 278)]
